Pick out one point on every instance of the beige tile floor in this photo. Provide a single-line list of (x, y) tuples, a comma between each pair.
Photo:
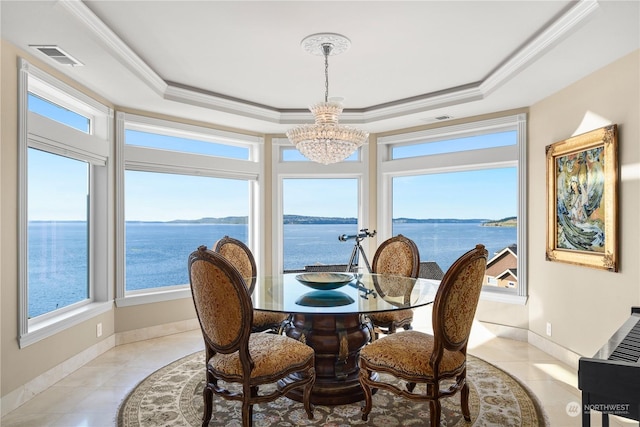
[(90, 397)]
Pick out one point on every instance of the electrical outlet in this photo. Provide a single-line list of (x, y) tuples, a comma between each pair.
[(549, 328), (99, 330)]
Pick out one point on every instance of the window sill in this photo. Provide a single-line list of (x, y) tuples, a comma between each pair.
[(504, 297), (56, 324), (139, 298)]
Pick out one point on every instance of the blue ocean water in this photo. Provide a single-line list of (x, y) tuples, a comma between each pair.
[(156, 253), (57, 265), (440, 242), (445, 242)]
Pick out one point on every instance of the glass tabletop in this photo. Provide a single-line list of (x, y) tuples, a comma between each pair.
[(340, 293)]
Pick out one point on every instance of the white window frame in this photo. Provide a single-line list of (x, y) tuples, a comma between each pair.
[(311, 170), (135, 158), (36, 131), (488, 158)]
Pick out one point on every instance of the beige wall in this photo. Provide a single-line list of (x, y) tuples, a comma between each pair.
[(139, 317), (584, 305)]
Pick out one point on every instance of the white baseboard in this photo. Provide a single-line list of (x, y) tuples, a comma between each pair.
[(563, 354), (156, 331), (503, 331)]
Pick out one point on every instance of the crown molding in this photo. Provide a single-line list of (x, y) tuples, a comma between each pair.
[(426, 102), (119, 48), (225, 104), (545, 40), (541, 43)]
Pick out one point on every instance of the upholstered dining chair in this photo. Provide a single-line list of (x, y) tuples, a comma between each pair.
[(399, 256), (242, 259), (232, 353), (421, 358)]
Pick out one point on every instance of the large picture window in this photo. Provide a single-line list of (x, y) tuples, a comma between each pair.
[(314, 204), (64, 148), (449, 199), (181, 186)]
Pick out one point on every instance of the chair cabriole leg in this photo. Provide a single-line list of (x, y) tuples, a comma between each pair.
[(436, 410), (308, 407), (464, 401), (366, 409), (207, 395), (247, 414)]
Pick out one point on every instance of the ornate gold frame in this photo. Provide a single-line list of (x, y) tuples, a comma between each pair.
[(582, 199)]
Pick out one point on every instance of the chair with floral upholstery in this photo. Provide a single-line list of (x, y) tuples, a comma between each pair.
[(233, 354), (399, 256), (421, 358), (242, 259)]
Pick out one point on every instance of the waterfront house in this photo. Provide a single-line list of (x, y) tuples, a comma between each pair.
[(502, 268)]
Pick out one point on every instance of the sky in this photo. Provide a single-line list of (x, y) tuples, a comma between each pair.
[(166, 197), (462, 195), (486, 194)]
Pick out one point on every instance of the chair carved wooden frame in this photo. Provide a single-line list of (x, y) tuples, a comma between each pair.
[(420, 358), (241, 257), (232, 353), (399, 256)]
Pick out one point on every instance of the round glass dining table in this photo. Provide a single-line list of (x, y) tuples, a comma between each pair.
[(328, 311)]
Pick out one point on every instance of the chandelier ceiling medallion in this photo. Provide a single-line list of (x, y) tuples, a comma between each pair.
[(326, 141)]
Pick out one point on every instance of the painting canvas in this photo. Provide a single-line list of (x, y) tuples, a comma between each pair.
[(582, 176)]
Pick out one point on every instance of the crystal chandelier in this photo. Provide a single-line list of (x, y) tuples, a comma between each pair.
[(326, 141)]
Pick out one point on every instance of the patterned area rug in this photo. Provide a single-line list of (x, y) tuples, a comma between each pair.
[(172, 396)]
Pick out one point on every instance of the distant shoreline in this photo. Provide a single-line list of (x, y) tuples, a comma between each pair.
[(302, 219)]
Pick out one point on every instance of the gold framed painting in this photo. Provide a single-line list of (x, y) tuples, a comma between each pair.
[(582, 211)]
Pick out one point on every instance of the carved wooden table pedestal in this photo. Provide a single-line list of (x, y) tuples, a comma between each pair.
[(337, 340)]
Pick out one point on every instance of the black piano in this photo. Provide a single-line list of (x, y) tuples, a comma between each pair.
[(610, 380)]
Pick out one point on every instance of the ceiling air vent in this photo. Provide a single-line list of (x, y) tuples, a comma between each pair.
[(58, 55)]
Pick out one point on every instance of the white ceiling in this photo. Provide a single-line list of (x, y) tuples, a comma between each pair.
[(240, 63)]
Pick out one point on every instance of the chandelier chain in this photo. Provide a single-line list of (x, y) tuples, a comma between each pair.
[(326, 49)]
